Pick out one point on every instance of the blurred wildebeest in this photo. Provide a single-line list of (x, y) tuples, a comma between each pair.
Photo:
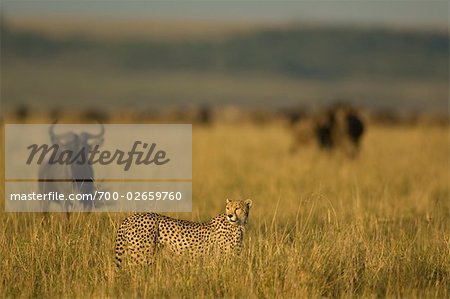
[(195, 114), (337, 127), (93, 114), (294, 115), (73, 178), (204, 116), (22, 112), (55, 113)]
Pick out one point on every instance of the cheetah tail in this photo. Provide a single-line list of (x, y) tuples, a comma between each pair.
[(120, 244)]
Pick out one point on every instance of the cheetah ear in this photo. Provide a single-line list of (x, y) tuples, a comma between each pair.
[(248, 202), (228, 201)]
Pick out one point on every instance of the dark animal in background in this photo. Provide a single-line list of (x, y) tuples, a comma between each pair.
[(337, 127), (74, 178), (55, 113), (204, 115), (294, 115), (22, 112), (95, 115)]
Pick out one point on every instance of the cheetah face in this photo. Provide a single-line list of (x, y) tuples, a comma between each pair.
[(237, 211)]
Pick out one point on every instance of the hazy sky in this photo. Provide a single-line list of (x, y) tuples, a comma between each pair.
[(425, 13)]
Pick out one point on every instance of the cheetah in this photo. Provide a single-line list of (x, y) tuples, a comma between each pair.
[(140, 236)]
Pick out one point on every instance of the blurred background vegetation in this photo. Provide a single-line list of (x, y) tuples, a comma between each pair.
[(72, 63)]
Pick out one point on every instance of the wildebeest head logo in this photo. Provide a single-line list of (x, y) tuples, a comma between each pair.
[(76, 142), (77, 176)]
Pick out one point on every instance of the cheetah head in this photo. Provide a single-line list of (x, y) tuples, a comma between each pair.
[(237, 211)]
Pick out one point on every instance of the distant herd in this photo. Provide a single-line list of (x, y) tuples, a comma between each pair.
[(208, 114), (337, 127)]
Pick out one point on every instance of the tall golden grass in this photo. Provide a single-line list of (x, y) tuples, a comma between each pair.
[(321, 225)]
